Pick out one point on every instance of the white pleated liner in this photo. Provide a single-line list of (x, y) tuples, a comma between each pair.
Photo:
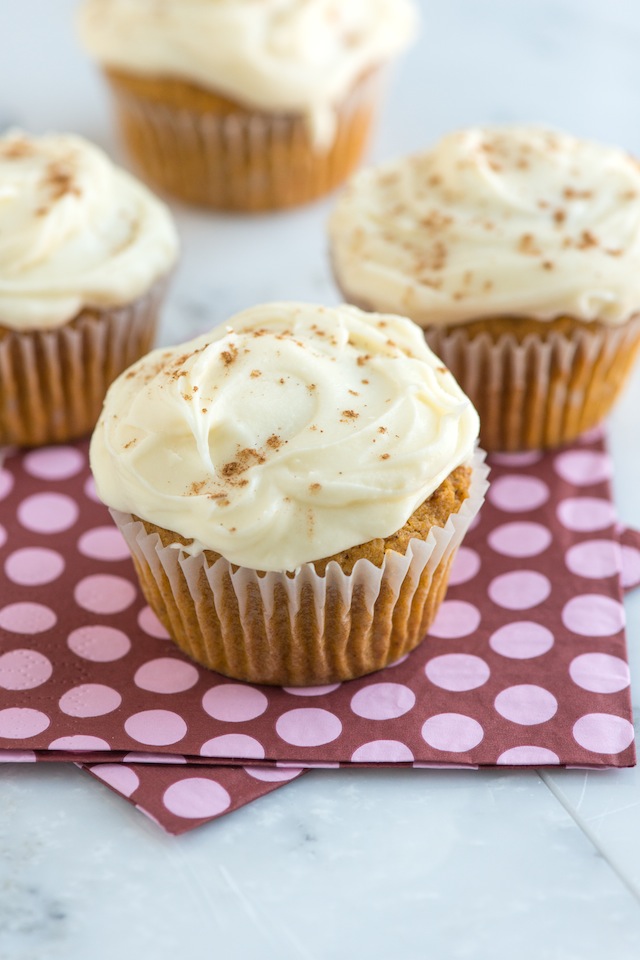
[(53, 382), (197, 155), (421, 561), (539, 393)]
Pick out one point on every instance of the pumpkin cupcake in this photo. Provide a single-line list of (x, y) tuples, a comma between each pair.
[(293, 487), (517, 249), (246, 104), (85, 251)]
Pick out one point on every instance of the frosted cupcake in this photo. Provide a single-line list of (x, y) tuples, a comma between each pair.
[(293, 487), (85, 251), (246, 104), (517, 249)]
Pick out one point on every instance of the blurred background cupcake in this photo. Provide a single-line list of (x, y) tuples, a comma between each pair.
[(517, 249), (85, 253), (246, 104), (293, 487)]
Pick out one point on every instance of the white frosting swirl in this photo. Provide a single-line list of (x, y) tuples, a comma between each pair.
[(295, 432), (274, 55), (75, 231), (495, 221)]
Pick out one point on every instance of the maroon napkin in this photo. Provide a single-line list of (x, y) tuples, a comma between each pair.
[(179, 798), (526, 663)]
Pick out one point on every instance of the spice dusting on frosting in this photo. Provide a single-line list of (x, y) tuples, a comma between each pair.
[(266, 473), (494, 221), (83, 233)]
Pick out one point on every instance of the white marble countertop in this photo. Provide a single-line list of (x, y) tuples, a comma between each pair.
[(343, 864)]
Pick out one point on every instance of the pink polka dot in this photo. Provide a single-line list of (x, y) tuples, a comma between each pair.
[(79, 742), (527, 756), (196, 797), (603, 733), (90, 490), (17, 756), (465, 566), (599, 672), (310, 765), (166, 675), (123, 779), (234, 702), (630, 557), (455, 618), (24, 669), (457, 671), (383, 701), (521, 640), (273, 774), (396, 663), (526, 704), (103, 543), (308, 727), (593, 615), (583, 467), (586, 514), (48, 512), (595, 559), (19, 723), (3, 536), (157, 728), (520, 539), (519, 589), (33, 566), (89, 700), (6, 483), (312, 691), (54, 463), (452, 732), (591, 436), (382, 751), (98, 643), (517, 494), (148, 622), (172, 758), (27, 618), (104, 593), (233, 745), (524, 459)]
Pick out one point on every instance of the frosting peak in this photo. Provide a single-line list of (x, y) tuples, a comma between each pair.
[(75, 231), (495, 221), (294, 432)]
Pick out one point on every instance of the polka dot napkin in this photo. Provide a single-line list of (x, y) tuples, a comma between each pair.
[(525, 664)]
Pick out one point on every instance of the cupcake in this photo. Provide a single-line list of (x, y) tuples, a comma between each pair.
[(245, 104), (517, 249), (85, 251), (293, 487)]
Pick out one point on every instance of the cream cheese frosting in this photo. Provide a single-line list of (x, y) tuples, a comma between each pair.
[(274, 55), (290, 434), (494, 221), (75, 231)]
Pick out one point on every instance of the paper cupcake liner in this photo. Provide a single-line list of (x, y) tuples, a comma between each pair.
[(539, 393), (245, 161), (300, 629), (53, 382)]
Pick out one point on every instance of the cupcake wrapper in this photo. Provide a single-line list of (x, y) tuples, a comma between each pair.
[(53, 382), (242, 161), (539, 393), (300, 629)]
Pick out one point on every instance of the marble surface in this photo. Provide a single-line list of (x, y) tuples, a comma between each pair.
[(343, 864)]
